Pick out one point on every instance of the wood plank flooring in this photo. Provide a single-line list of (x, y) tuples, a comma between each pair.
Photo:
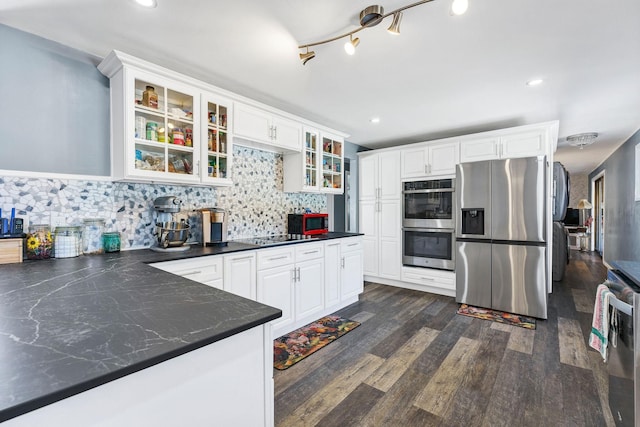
[(414, 362)]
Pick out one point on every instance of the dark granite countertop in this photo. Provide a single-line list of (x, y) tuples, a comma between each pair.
[(67, 325)]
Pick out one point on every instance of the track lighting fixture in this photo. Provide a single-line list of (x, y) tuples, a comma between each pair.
[(372, 16), (394, 28), (350, 46), (307, 56)]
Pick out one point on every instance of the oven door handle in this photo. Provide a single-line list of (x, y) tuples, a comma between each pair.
[(437, 190), (429, 230)]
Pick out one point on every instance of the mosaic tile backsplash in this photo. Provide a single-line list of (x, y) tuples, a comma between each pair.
[(256, 203)]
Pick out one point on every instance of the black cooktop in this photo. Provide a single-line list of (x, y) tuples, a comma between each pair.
[(273, 240)]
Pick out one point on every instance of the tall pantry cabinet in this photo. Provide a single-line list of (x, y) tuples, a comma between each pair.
[(380, 213)]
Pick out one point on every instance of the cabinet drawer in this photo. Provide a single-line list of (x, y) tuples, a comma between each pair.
[(309, 251), (269, 258), (351, 244), (430, 277), (203, 269)]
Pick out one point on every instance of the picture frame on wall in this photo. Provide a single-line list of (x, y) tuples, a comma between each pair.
[(637, 168)]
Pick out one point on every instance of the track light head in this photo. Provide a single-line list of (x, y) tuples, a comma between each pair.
[(307, 56), (350, 46), (394, 28), (371, 15)]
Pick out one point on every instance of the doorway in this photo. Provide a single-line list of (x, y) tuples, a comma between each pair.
[(598, 195)]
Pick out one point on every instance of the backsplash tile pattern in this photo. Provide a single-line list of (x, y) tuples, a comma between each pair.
[(256, 203)]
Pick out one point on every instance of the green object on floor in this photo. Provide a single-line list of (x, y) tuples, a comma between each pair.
[(497, 316), (291, 348)]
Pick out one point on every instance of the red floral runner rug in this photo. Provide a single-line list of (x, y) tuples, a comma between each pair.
[(497, 316), (291, 348)]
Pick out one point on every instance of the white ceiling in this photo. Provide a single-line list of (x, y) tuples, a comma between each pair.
[(443, 76)]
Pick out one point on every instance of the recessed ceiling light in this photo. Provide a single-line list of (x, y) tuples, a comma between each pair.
[(147, 3), (535, 82), (375, 120)]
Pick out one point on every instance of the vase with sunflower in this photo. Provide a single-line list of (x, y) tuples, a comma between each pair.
[(39, 242)]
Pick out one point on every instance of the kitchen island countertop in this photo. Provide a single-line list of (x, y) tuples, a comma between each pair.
[(68, 325)]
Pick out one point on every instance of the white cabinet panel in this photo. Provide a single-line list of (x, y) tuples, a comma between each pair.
[(251, 123), (523, 145), (520, 144), (240, 274), (352, 280), (431, 159), (389, 175), (390, 258), (390, 221), (309, 288), (443, 158), (332, 272), (368, 177), (414, 162), (287, 133), (480, 149), (275, 288)]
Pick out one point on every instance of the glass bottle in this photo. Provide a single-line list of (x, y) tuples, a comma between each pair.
[(92, 236), (150, 97), (67, 242), (39, 242), (111, 241)]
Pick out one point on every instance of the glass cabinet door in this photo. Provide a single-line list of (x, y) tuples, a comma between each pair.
[(218, 148), (164, 138), (331, 164), (311, 159)]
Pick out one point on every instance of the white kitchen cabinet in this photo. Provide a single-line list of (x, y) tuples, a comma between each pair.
[(430, 159), (519, 144), (380, 213), (275, 288), (352, 275), (430, 278), (240, 274), (309, 282), (207, 270), (217, 149), (319, 167), (256, 124), (332, 272)]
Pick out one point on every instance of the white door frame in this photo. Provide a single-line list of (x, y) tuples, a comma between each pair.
[(601, 174)]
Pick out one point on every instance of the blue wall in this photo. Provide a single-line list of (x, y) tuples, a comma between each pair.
[(54, 107), (622, 212)]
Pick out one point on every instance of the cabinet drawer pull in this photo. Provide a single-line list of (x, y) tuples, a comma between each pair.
[(278, 257), (352, 244), (334, 244), (311, 252), (191, 273), (430, 279), (244, 257)]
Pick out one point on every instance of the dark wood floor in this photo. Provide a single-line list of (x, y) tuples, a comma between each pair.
[(414, 362)]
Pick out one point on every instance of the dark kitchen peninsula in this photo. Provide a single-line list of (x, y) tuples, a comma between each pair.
[(69, 325)]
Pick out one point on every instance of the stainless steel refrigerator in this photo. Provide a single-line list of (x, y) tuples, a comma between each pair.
[(501, 235)]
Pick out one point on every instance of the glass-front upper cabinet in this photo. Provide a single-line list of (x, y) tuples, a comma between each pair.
[(163, 131), (217, 152), (332, 164), (311, 158)]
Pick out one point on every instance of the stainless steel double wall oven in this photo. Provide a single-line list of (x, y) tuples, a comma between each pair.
[(428, 224)]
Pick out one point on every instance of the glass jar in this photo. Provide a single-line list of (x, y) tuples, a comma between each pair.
[(150, 97), (111, 241), (67, 242), (92, 236), (39, 242)]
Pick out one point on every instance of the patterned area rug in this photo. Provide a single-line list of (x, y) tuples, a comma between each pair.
[(291, 348), (497, 316)]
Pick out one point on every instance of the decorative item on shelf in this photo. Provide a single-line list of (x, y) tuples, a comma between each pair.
[(152, 131), (39, 242), (581, 140), (370, 17), (188, 137), (178, 136)]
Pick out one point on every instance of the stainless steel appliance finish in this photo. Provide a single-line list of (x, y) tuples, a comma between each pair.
[(167, 204), (623, 362), (428, 204), (473, 273), (428, 247), (501, 226), (172, 234)]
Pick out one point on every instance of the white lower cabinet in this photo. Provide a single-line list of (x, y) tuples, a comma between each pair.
[(275, 288), (207, 270), (332, 272), (240, 274), (309, 288), (430, 278), (352, 282)]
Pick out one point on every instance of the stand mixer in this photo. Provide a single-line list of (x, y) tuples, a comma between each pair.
[(171, 234)]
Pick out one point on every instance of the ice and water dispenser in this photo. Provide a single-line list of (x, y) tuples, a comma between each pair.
[(473, 221)]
